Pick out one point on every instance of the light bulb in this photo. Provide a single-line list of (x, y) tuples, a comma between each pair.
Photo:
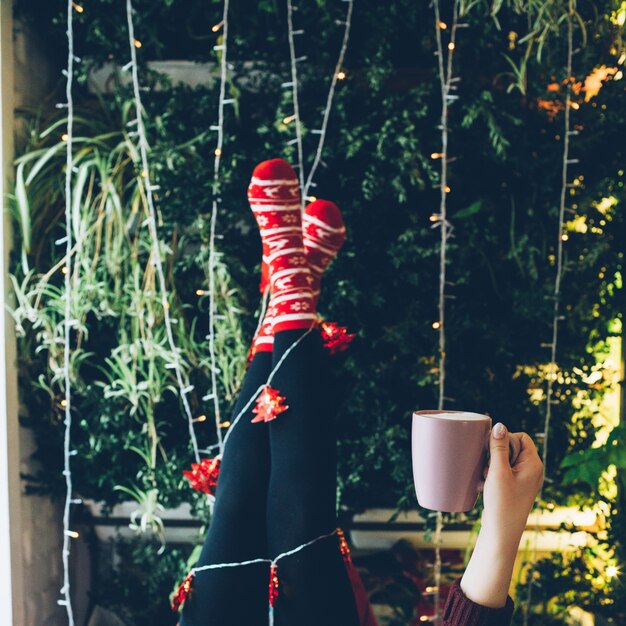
[(137, 43)]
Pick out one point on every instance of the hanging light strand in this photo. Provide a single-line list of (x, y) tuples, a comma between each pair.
[(296, 105), (556, 315), (183, 386), (67, 323), (214, 212), (445, 66), (329, 99)]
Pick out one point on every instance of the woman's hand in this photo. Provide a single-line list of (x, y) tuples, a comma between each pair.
[(509, 493)]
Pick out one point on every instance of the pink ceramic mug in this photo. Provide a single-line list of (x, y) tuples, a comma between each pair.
[(449, 455)]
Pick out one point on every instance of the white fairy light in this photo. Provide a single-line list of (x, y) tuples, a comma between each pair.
[(338, 74), (214, 211), (270, 562), (68, 534), (446, 84), (294, 90), (155, 243), (256, 394), (556, 315)]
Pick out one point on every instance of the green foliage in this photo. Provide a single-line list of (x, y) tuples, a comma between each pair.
[(505, 185)]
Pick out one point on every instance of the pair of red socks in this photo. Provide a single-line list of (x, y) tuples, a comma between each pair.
[(296, 249)]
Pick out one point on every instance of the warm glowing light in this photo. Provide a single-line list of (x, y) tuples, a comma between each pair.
[(77, 7), (73, 534), (436, 325), (575, 105), (564, 237), (225, 425), (436, 155), (618, 75), (200, 418), (64, 269), (216, 27), (424, 618), (447, 189), (341, 75), (442, 25), (311, 198), (200, 292), (63, 403), (64, 137), (451, 46), (431, 589), (137, 43), (611, 571), (218, 152), (435, 217), (289, 119)]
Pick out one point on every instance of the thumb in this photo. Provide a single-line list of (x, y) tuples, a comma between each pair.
[(499, 447)]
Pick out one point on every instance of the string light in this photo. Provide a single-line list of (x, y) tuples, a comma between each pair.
[(200, 418), (289, 119), (216, 27), (77, 7), (295, 100), (317, 159), (273, 563), (137, 43), (64, 137), (213, 225), (446, 83), (154, 236), (341, 75), (200, 292), (556, 315), (66, 403)]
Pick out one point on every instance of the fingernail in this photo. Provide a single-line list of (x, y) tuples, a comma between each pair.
[(499, 431)]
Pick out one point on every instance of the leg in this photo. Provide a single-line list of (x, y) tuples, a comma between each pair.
[(315, 587), (314, 584), (237, 531)]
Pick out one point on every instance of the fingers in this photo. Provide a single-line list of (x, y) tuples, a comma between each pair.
[(499, 448)]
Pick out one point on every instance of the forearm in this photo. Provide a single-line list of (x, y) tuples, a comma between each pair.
[(488, 575)]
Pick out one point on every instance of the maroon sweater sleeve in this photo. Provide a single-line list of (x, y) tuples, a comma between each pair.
[(461, 611)]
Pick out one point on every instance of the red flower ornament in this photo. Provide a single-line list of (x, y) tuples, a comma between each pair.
[(273, 587), (344, 547), (182, 593), (269, 405), (203, 476), (336, 338)]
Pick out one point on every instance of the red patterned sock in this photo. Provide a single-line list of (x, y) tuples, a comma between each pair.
[(324, 234), (275, 200)]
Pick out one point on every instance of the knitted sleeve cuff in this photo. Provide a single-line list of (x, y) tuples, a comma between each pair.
[(461, 611)]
